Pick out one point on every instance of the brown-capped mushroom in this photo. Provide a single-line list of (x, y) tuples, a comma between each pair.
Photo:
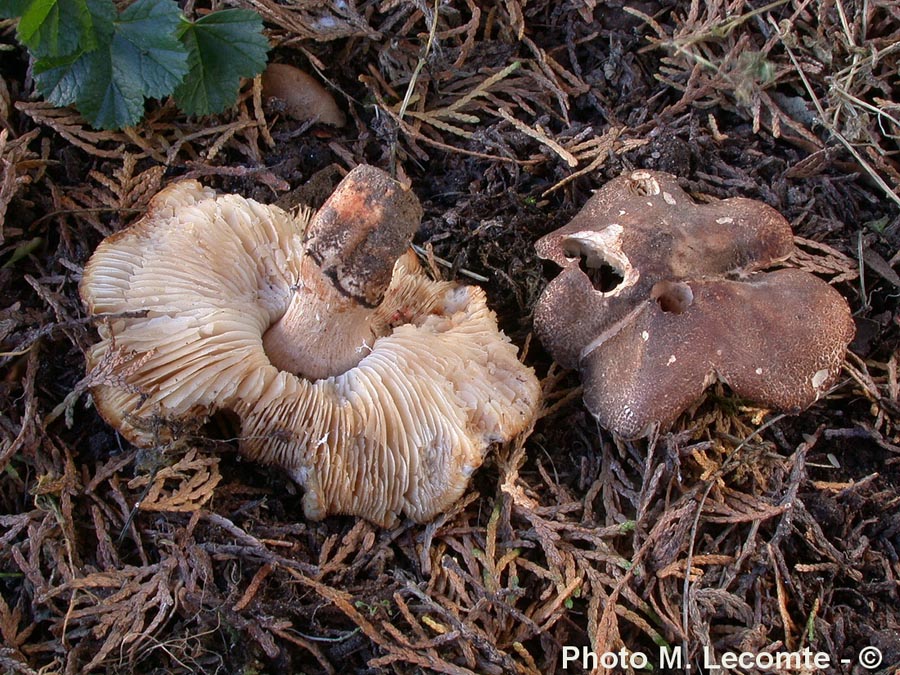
[(671, 295), (234, 298), (301, 94)]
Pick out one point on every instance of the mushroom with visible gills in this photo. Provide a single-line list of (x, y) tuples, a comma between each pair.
[(672, 295), (377, 388)]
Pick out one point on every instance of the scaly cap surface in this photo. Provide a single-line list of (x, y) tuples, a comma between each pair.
[(671, 297)]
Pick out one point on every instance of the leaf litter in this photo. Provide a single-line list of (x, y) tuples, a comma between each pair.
[(736, 530)]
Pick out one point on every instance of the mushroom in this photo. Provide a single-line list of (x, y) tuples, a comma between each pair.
[(672, 295), (377, 388), (303, 97)]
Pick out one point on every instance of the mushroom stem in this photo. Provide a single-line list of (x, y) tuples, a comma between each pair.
[(323, 332), (352, 245), (360, 231)]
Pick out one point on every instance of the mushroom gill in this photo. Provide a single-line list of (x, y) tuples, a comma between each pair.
[(184, 298)]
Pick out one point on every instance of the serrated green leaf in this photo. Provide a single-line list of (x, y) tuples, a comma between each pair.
[(61, 80), (118, 62), (111, 96), (33, 16), (139, 58), (54, 28), (223, 47), (103, 16), (106, 89), (146, 39), (58, 80)]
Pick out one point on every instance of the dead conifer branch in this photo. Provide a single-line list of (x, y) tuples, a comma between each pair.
[(454, 111), (540, 136), (823, 117), (196, 478), (15, 161)]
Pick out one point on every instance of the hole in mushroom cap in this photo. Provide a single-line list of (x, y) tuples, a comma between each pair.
[(644, 184), (604, 276), (672, 296)]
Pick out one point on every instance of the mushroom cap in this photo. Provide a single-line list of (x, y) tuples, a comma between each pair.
[(776, 338), (303, 96), (647, 229), (208, 274), (691, 305), (413, 419)]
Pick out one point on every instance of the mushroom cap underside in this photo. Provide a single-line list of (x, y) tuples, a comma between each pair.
[(204, 277), (776, 338), (413, 419), (183, 297)]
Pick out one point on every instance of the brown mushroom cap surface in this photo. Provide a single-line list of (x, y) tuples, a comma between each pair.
[(683, 301), (303, 96), (399, 431)]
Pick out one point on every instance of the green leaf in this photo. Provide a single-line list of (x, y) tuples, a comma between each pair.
[(878, 225), (140, 59), (54, 28), (146, 40), (112, 95), (107, 89), (103, 16), (13, 9), (107, 65), (61, 79), (223, 47)]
